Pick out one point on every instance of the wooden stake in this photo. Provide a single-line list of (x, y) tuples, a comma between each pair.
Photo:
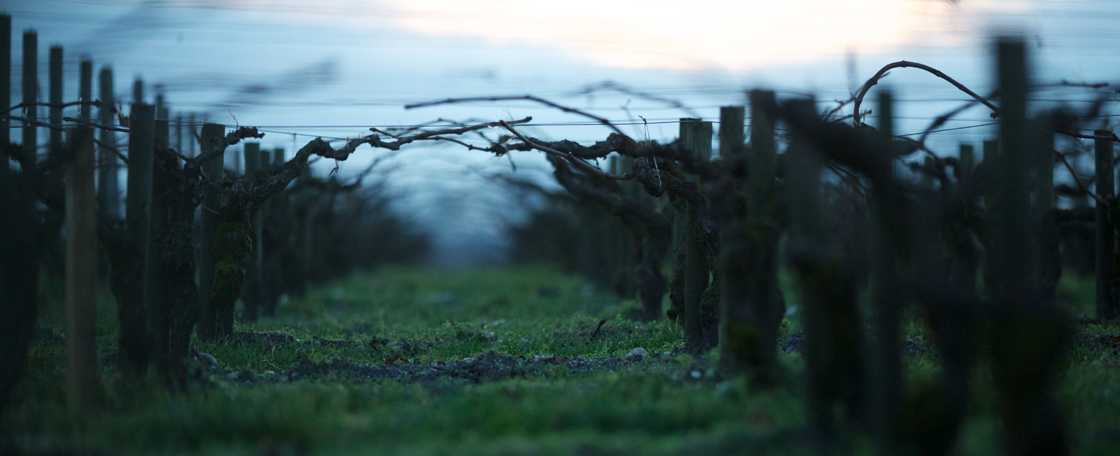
[(697, 136), (108, 200), (85, 90), (208, 324), (156, 305), (251, 291), (136, 333), (55, 143), (81, 272), (1106, 241), (886, 378), (138, 91), (5, 81), (30, 92)]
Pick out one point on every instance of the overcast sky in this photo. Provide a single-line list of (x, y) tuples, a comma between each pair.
[(335, 68)]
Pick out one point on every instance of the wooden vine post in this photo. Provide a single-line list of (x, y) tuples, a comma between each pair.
[(85, 90), (108, 181), (208, 323), (251, 292), (697, 138), (158, 303), (765, 306), (966, 161), (307, 263), (190, 136), (138, 91), (30, 92), (81, 271), (136, 333), (1045, 211), (5, 81), (817, 270), (1027, 332), (735, 341), (55, 110), (886, 378), (1105, 247)]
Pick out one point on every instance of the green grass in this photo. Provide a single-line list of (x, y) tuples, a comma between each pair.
[(655, 406)]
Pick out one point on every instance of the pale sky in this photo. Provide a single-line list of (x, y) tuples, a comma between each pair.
[(334, 68)]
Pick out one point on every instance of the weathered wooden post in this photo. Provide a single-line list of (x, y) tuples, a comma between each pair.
[(1027, 333), (30, 92), (966, 161), (886, 362), (81, 271), (1049, 259), (136, 333), (5, 81), (161, 106), (275, 227), (85, 90), (55, 110), (764, 307), (251, 291), (190, 136), (307, 265), (179, 136), (108, 181), (208, 323), (138, 91), (818, 269), (697, 137), (734, 343), (1106, 240), (157, 302)]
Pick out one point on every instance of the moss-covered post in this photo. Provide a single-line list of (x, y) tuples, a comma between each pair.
[(765, 306), (81, 271), (136, 333), (208, 325), (696, 135), (1106, 241), (733, 261), (1027, 333), (30, 92), (108, 181)]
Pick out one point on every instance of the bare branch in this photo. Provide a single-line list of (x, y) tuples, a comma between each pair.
[(612, 85), (601, 120), (586, 167), (375, 141), (1081, 185), (905, 64)]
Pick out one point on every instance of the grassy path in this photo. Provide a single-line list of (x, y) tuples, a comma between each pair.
[(476, 362)]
